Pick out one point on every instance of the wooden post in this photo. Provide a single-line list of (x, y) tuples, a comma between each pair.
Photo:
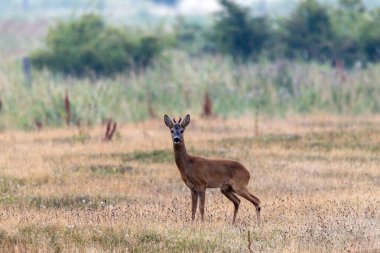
[(207, 105), (27, 70), (110, 130), (67, 108)]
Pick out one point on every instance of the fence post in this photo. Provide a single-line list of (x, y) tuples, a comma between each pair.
[(26, 68)]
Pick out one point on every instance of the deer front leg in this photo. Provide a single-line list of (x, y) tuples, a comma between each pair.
[(202, 197), (194, 202)]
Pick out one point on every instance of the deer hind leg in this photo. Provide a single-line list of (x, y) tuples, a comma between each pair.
[(227, 191), (202, 198), (250, 197)]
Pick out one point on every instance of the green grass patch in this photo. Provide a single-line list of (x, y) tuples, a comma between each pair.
[(110, 169), (155, 156), (10, 185)]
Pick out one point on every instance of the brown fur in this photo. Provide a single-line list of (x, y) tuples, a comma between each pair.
[(201, 173)]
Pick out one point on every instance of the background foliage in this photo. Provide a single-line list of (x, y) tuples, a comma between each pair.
[(319, 58), (87, 45), (347, 33)]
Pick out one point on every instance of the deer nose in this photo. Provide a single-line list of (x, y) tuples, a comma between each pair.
[(176, 139)]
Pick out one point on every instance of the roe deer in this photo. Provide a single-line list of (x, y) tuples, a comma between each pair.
[(200, 173)]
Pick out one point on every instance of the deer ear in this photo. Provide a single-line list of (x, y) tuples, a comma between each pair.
[(168, 121), (186, 121)]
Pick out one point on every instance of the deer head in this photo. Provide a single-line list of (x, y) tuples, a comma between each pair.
[(177, 128)]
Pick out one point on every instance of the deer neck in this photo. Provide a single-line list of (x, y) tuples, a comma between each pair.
[(181, 156)]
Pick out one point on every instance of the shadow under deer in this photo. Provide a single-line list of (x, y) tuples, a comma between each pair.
[(200, 173)]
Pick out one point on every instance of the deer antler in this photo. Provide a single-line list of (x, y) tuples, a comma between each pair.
[(174, 120), (179, 121)]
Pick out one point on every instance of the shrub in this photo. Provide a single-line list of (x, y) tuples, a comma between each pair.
[(88, 46), (346, 44), (192, 38), (309, 32), (370, 37), (239, 34)]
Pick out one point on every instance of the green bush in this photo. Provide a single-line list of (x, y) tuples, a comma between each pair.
[(309, 32), (88, 46), (239, 34), (370, 37), (347, 42), (192, 38)]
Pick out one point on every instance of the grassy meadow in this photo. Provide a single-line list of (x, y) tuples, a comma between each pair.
[(309, 134), (67, 190)]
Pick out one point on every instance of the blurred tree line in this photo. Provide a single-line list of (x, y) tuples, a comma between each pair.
[(347, 33), (88, 46)]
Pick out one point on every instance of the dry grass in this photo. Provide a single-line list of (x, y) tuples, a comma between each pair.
[(68, 190)]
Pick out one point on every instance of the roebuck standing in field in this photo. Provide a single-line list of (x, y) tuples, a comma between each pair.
[(200, 173)]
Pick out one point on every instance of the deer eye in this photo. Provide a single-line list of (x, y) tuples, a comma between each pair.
[(181, 131), (172, 131)]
